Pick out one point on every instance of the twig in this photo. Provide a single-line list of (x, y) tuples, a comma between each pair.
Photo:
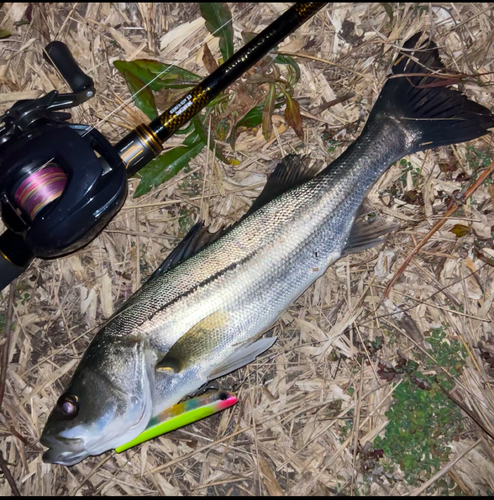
[(198, 450), (334, 102), (8, 476), (482, 177), (6, 345)]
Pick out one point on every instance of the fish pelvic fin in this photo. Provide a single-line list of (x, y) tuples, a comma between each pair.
[(243, 356), (417, 95)]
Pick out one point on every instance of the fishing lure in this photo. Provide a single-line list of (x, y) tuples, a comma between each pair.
[(183, 414)]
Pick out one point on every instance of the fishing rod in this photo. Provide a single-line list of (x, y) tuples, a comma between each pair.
[(61, 183)]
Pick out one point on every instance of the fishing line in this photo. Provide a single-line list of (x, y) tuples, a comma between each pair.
[(40, 188), (159, 75)]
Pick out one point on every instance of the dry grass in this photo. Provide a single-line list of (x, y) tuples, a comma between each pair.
[(286, 434)]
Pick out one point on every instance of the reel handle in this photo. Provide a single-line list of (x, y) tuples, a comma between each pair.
[(58, 54)]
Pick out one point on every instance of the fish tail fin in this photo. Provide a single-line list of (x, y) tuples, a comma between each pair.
[(418, 97)]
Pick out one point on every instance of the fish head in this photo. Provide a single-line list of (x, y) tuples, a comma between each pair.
[(108, 403)]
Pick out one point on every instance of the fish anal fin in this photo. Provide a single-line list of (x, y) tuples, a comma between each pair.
[(367, 233), (291, 171), (243, 356)]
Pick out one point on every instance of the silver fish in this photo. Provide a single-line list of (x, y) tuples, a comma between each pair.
[(201, 314)]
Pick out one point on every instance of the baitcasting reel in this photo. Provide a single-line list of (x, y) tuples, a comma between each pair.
[(60, 183)]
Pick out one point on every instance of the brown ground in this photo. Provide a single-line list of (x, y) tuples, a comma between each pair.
[(286, 435)]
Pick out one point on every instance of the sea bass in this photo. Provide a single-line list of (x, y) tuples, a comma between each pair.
[(202, 312)]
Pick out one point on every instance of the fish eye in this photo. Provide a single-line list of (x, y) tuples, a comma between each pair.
[(68, 405)]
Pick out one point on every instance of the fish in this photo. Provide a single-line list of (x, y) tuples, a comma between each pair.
[(203, 312)]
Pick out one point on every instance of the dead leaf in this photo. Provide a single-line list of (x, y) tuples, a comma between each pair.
[(209, 60), (293, 116), (460, 230), (269, 478)]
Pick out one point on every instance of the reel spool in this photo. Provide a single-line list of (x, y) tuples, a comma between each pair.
[(40, 188)]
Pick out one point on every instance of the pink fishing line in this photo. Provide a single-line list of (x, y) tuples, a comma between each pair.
[(40, 188)]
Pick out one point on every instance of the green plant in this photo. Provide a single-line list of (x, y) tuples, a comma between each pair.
[(422, 420), (406, 167), (152, 83), (477, 160), (25, 298)]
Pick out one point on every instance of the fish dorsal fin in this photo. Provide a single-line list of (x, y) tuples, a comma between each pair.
[(366, 233), (194, 241), (292, 171)]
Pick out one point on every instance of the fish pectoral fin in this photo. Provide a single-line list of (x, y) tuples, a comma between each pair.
[(204, 340), (366, 234), (242, 356)]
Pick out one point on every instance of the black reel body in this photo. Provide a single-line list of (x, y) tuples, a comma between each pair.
[(60, 183), (58, 158)]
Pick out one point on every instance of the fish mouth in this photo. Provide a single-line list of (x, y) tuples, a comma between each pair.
[(63, 451)]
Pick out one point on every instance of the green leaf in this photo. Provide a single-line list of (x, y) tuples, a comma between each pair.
[(166, 166), (290, 62), (4, 33), (252, 118), (170, 70), (218, 22), (171, 76), (147, 70), (144, 99), (192, 138), (185, 130), (267, 112), (203, 135), (389, 10)]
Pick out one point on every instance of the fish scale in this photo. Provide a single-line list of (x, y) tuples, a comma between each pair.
[(274, 251)]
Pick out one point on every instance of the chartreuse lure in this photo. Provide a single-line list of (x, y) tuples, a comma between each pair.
[(182, 414)]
